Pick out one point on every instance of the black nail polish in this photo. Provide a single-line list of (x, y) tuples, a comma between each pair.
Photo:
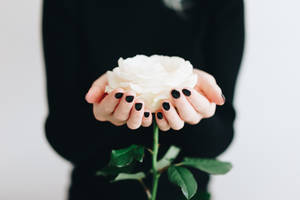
[(223, 97), (153, 115), (159, 115), (166, 106), (175, 94), (138, 106), (186, 92), (119, 95), (146, 114), (129, 99)]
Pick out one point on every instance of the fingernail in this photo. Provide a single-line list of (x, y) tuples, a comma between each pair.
[(166, 106), (146, 114), (119, 95), (159, 115), (223, 97), (186, 92), (138, 106), (175, 94), (129, 99)]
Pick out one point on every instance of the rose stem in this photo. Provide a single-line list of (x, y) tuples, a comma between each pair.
[(154, 161)]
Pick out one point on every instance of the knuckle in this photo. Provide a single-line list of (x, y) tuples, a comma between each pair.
[(119, 116), (132, 126), (194, 120), (210, 113), (98, 116), (178, 127), (164, 128), (189, 119), (117, 123), (146, 124)]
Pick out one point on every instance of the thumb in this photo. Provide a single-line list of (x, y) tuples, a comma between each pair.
[(97, 90), (208, 85)]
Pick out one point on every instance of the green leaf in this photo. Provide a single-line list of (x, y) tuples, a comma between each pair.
[(124, 157), (114, 171), (211, 166), (124, 176), (171, 154), (183, 178)]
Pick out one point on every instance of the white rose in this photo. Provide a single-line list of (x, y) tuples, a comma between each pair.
[(152, 78)]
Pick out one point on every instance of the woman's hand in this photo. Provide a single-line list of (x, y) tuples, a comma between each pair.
[(117, 107), (186, 105), (190, 105)]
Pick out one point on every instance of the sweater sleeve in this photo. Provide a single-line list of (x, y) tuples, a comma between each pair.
[(71, 128), (222, 48)]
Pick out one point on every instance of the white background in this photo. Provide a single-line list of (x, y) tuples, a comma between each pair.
[(265, 152)]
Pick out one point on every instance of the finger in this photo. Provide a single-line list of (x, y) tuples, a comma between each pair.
[(122, 111), (110, 101), (147, 118), (97, 90), (172, 116), (209, 86), (136, 115), (184, 108), (161, 121), (200, 103)]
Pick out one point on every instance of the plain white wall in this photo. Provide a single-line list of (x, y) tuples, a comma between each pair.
[(265, 152), (29, 169)]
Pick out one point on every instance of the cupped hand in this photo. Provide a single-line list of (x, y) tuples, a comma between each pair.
[(190, 105), (118, 107)]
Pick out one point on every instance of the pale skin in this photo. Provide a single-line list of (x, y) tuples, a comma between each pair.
[(185, 105)]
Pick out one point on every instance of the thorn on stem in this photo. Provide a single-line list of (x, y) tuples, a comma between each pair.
[(150, 150)]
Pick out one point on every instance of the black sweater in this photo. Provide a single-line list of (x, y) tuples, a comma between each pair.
[(84, 39)]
